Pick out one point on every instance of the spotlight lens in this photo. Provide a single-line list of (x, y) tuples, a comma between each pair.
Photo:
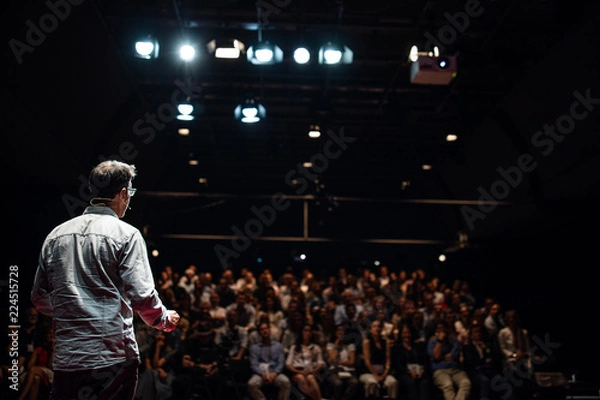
[(301, 55), (443, 63), (227, 52), (264, 55), (187, 52), (332, 56), (250, 112), (144, 48), (185, 108)]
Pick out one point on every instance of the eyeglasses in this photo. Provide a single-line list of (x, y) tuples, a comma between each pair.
[(131, 191)]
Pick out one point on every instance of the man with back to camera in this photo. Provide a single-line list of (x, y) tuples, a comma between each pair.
[(93, 273)]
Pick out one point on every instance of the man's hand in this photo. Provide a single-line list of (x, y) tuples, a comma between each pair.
[(172, 321), (271, 377)]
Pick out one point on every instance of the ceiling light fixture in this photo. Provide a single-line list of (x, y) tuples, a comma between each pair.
[(301, 55), (146, 48), (193, 160), (250, 111), (334, 53), (264, 53), (226, 48), (188, 109), (187, 52), (314, 131)]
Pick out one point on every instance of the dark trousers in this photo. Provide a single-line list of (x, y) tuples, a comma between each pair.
[(117, 382), (418, 389)]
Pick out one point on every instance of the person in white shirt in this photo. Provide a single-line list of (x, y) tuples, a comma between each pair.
[(305, 362), (188, 282)]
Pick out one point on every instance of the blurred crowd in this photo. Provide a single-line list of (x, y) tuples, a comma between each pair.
[(354, 335)]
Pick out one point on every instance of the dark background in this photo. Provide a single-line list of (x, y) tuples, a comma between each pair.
[(76, 97)]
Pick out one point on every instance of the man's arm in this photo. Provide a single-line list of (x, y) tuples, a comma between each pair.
[(138, 286), (254, 359), (278, 357), (40, 296)]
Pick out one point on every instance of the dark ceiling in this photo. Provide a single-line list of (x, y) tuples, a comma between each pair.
[(74, 94)]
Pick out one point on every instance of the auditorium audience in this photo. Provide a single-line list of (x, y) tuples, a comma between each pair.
[(395, 334)]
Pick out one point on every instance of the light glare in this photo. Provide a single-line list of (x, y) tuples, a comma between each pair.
[(332, 56), (185, 108), (264, 55), (187, 52), (301, 55), (144, 48), (250, 112)]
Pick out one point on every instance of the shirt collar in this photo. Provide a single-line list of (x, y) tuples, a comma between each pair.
[(104, 210)]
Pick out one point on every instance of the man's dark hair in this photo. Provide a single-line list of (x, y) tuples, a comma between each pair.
[(109, 177)]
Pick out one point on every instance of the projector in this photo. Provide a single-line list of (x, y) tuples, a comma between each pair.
[(429, 70)]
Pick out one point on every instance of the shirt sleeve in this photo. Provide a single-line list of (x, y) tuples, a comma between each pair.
[(290, 356), (138, 283), (254, 366), (243, 338), (40, 294), (320, 360), (279, 358)]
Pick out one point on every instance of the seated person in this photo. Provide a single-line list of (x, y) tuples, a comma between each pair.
[(198, 369), (232, 340), (266, 364), (341, 380), (305, 362), (377, 358), (39, 373), (447, 371), (409, 358)]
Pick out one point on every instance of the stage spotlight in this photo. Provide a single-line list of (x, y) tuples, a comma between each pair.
[(314, 131), (264, 53), (301, 55), (333, 53), (146, 48), (226, 48), (188, 110), (250, 111), (187, 52)]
